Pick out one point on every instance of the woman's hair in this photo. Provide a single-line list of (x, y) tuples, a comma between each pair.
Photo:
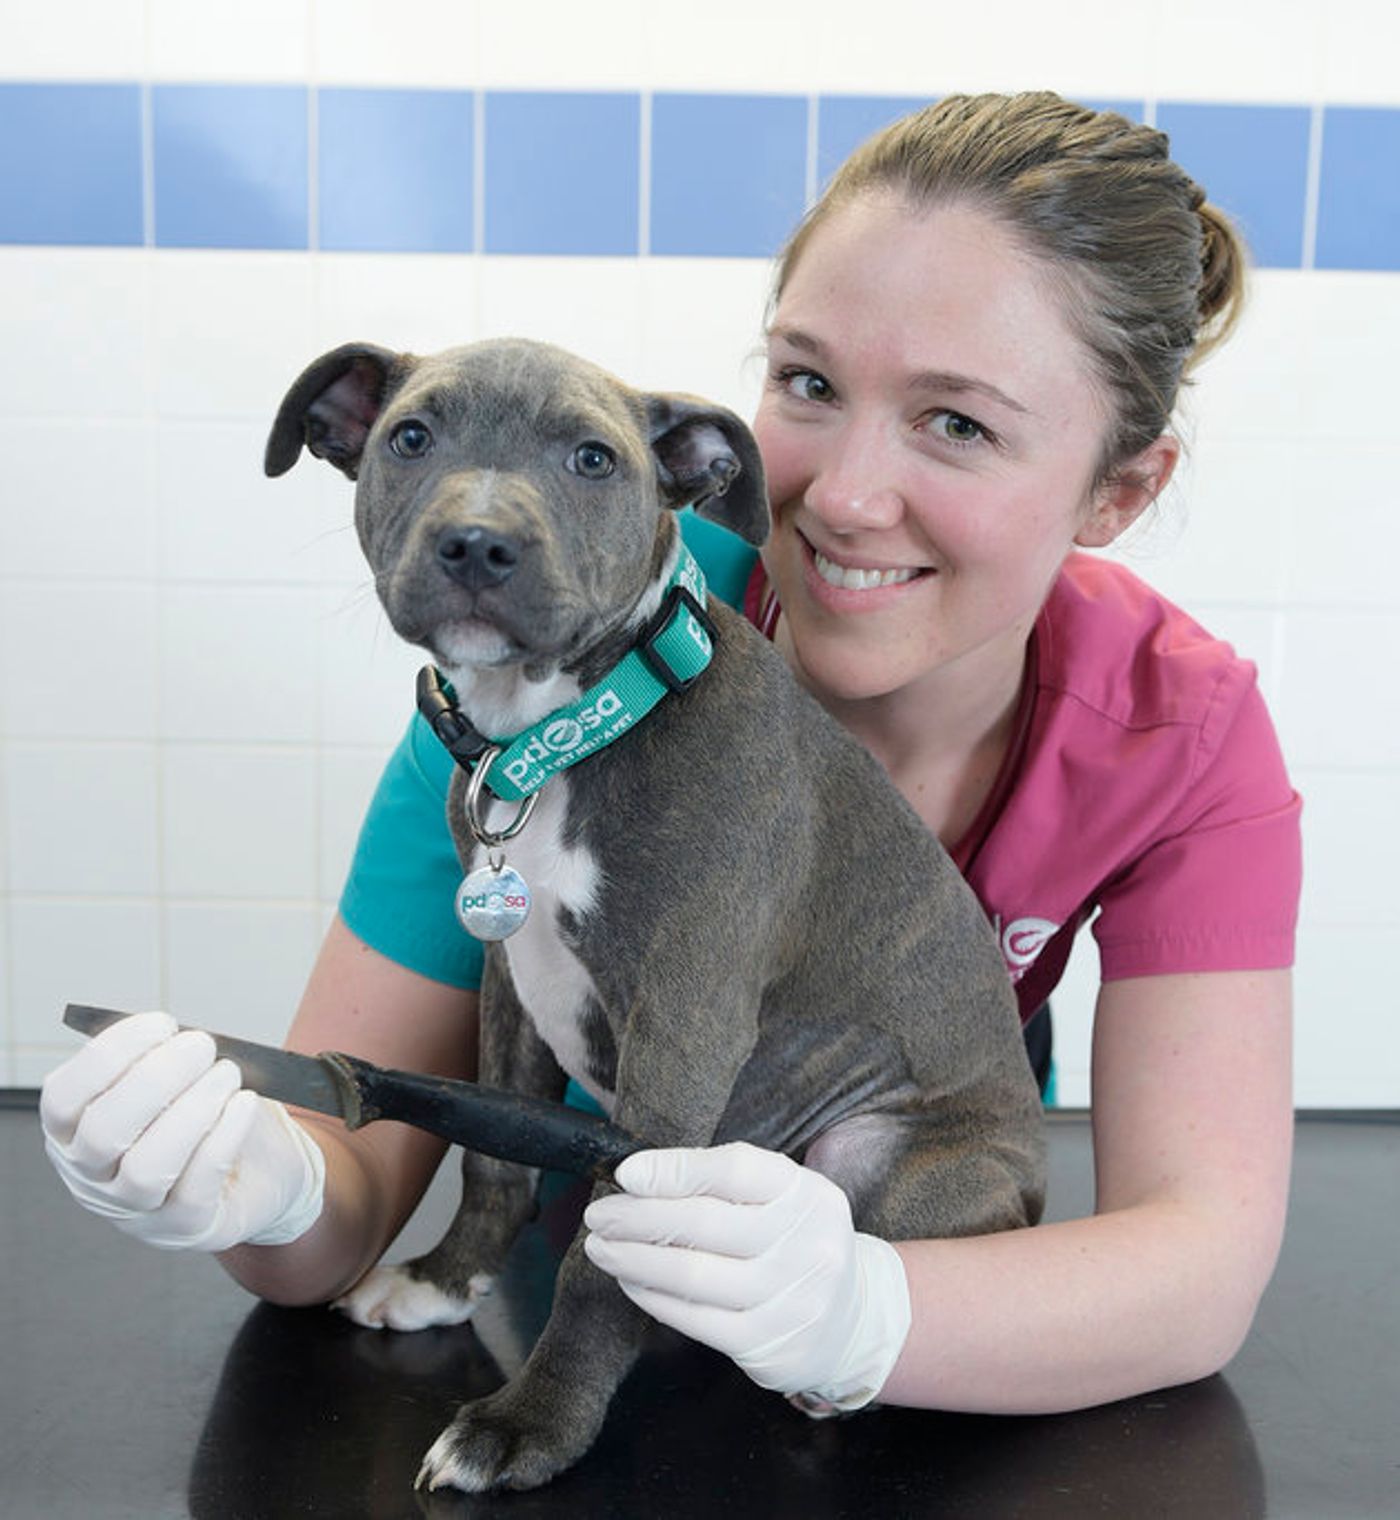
[(1150, 276)]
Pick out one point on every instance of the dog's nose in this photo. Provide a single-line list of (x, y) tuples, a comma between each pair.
[(477, 558)]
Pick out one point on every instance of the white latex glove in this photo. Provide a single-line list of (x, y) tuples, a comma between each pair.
[(149, 1130), (756, 1256)]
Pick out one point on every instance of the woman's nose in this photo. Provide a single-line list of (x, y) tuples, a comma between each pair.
[(853, 485)]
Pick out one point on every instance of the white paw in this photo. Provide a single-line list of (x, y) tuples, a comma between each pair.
[(388, 1298), (443, 1468)]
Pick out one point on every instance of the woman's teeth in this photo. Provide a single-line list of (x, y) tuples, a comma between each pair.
[(858, 580)]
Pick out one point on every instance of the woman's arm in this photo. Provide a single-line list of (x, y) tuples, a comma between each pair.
[(359, 1001), (1193, 1128)]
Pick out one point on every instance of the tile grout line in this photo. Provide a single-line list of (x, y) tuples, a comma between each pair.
[(644, 175), (150, 421), (313, 160), (479, 182), (148, 166), (809, 186), (1312, 194)]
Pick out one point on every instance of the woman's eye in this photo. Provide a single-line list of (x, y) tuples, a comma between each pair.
[(594, 461), (411, 440), (805, 384), (953, 427)]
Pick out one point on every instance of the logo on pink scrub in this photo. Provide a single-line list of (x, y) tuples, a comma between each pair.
[(1022, 940)]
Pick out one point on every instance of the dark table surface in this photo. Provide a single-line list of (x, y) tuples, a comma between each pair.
[(146, 1384)]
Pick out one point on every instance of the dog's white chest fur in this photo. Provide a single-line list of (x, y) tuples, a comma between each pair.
[(552, 984)]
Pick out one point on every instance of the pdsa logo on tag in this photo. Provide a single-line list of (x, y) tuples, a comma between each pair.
[(492, 903)]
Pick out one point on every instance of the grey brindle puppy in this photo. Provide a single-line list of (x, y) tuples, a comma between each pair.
[(740, 929)]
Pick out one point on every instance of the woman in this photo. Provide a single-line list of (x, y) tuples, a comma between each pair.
[(976, 341)]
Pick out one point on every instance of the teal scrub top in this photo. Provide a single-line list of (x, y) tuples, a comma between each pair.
[(403, 878)]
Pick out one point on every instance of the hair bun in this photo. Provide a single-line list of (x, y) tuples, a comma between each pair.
[(1221, 292)]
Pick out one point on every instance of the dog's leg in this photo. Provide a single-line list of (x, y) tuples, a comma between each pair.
[(445, 1286), (913, 1177), (547, 1417)]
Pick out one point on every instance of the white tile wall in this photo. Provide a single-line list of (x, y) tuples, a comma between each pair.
[(82, 951), (346, 782), (1256, 50), (219, 520), (364, 672), (239, 966), (80, 499), (239, 821), (1346, 1055), (267, 41), (909, 48), (413, 43), (82, 819), (74, 39), (421, 304), (233, 666), (215, 358), (196, 687), (1261, 50), (80, 319), (80, 659), (1358, 43)]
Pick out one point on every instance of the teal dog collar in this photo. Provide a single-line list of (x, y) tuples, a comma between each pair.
[(671, 654)]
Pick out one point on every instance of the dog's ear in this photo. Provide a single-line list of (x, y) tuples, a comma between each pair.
[(707, 458), (332, 406)]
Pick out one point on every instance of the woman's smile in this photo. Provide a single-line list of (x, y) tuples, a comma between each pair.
[(853, 574)]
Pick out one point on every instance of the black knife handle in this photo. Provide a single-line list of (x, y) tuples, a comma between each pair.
[(507, 1125)]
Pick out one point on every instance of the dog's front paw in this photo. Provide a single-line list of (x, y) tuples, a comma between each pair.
[(391, 1298), (507, 1440)]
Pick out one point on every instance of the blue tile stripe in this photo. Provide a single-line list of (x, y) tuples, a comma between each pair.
[(382, 170), (1253, 162), (563, 173), (71, 164)]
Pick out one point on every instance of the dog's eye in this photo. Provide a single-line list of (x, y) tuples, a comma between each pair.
[(594, 461), (411, 440)]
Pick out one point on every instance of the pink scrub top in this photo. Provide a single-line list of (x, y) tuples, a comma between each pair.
[(1144, 789)]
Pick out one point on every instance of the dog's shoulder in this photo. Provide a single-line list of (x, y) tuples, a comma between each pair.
[(748, 726), (750, 679), (751, 694)]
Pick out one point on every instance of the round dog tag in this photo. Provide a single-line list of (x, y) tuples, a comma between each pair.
[(493, 902)]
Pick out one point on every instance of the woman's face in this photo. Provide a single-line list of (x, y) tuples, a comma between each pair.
[(930, 432)]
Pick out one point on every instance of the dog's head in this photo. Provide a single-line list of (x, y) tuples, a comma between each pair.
[(512, 498)]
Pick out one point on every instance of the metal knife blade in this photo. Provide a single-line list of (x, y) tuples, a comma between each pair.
[(510, 1126), (303, 1080)]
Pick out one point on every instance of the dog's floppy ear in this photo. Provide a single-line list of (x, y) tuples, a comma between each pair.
[(707, 458), (332, 406)]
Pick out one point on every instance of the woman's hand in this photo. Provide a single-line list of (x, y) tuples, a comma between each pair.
[(148, 1129), (757, 1257)]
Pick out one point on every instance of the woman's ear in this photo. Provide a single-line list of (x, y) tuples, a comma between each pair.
[(1126, 495)]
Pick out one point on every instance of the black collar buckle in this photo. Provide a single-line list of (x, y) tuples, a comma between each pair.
[(676, 598), (438, 704)]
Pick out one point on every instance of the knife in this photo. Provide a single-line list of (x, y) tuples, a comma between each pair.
[(510, 1126)]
